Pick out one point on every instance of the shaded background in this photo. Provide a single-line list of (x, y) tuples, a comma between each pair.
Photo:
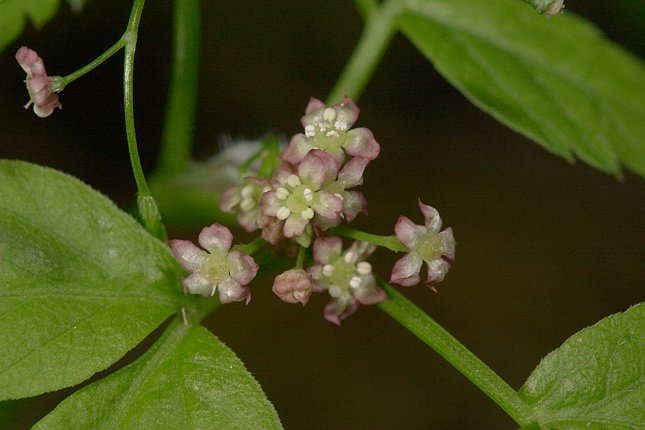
[(544, 248)]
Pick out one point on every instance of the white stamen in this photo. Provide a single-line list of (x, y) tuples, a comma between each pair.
[(363, 268), (341, 125), (328, 270), (340, 196), (350, 257), (299, 294), (213, 290), (329, 114), (247, 192), (309, 194), (247, 204), (307, 213), (332, 134), (310, 131), (355, 282), (283, 213), (293, 181), (282, 193)]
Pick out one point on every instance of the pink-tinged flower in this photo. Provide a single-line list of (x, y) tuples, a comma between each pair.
[(217, 268), (39, 85), (426, 243), (345, 275), (293, 286), (244, 199), (328, 129), (298, 198)]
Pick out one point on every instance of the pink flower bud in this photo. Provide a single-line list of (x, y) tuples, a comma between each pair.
[(293, 286), (39, 85)]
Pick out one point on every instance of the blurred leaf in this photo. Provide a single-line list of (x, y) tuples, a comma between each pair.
[(595, 380), (556, 80), (81, 282), (14, 15), (187, 380)]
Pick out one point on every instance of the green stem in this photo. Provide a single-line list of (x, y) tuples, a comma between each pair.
[(91, 66), (301, 258), (177, 135), (389, 242), (366, 7), (130, 38), (251, 248), (377, 34), (437, 338)]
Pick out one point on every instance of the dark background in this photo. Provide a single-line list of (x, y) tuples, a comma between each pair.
[(544, 249)]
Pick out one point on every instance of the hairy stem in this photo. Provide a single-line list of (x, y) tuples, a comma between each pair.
[(177, 135), (377, 34), (437, 338)]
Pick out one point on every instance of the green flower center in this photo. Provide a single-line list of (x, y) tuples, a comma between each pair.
[(216, 268), (299, 199), (429, 246)]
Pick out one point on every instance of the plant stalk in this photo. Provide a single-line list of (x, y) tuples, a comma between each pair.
[(436, 337)]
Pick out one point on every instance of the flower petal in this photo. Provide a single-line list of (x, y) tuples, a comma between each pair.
[(242, 267), (327, 248), (231, 291), (360, 142), (299, 146), (431, 215), (437, 270), (408, 232), (353, 203), (313, 105), (189, 256), (339, 309), (215, 238), (196, 283), (230, 198), (369, 293), (327, 205), (447, 244), (317, 168), (270, 204), (351, 174), (406, 270), (294, 226)]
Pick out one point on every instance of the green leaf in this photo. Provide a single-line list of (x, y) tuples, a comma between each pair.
[(14, 15), (187, 380), (595, 380), (81, 282), (556, 80)]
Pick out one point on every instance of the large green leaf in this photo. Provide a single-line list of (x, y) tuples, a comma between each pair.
[(81, 282), (556, 80), (187, 380), (595, 380), (14, 15)]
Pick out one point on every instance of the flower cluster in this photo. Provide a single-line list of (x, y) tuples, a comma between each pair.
[(311, 189), (39, 85), (307, 191)]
